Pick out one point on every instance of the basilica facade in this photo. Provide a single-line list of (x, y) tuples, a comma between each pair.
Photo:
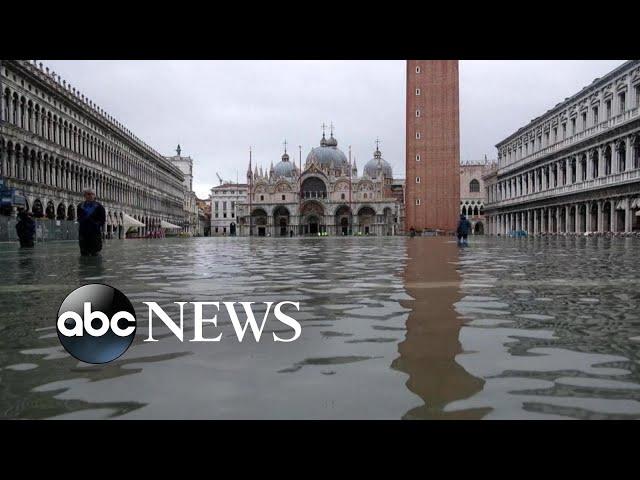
[(324, 197)]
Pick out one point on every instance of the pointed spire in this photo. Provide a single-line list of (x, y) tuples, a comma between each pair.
[(178, 150)]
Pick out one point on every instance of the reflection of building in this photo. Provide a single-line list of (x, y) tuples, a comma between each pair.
[(54, 142), (472, 193), (428, 353), (433, 145), (327, 196), (576, 168), (224, 201), (191, 221)]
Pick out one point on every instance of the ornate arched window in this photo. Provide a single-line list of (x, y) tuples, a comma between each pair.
[(474, 185)]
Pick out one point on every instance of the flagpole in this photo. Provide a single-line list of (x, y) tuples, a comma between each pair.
[(350, 206), (250, 192), (300, 190)]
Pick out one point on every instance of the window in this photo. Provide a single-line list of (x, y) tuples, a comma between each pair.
[(595, 115), (417, 158), (417, 113), (573, 126), (608, 107), (365, 195), (417, 201), (224, 229), (564, 131), (417, 69), (283, 197), (622, 101), (342, 196), (637, 96), (584, 121), (417, 135), (216, 229), (233, 215), (216, 214), (417, 91), (261, 197), (224, 215), (555, 134), (474, 186), (417, 179)]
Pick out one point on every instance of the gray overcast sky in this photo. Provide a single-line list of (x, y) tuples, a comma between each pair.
[(217, 109)]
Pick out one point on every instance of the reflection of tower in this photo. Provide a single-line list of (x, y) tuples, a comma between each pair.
[(428, 352)]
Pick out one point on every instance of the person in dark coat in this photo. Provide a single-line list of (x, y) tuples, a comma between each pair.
[(91, 219), (412, 232), (26, 229), (464, 227)]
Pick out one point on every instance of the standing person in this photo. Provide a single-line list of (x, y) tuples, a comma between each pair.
[(26, 229), (91, 217), (412, 232), (464, 226)]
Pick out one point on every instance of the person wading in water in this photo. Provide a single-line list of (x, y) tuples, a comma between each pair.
[(26, 229), (91, 217), (464, 227)]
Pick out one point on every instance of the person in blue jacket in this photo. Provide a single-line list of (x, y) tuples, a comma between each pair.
[(464, 227), (91, 219)]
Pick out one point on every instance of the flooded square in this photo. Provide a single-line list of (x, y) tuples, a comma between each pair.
[(392, 328)]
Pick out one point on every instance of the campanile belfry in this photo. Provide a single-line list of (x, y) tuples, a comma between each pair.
[(433, 145)]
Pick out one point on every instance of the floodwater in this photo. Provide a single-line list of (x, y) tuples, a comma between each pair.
[(392, 328)]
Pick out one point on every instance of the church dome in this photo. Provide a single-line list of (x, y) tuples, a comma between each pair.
[(284, 168), (378, 165), (328, 154)]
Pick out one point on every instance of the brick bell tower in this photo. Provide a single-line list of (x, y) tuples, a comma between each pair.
[(433, 145)]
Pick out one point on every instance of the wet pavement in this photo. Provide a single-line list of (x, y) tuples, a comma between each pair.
[(392, 327)]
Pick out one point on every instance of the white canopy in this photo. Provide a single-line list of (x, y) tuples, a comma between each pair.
[(164, 224), (128, 221)]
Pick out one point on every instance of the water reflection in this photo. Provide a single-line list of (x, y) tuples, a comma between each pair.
[(428, 353), (392, 328)]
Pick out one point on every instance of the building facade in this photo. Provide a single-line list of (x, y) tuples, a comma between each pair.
[(225, 200), (473, 193), (432, 195), (576, 168), (191, 216), (54, 142), (325, 197)]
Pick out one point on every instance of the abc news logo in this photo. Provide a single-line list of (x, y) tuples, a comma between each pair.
[(97, 323)]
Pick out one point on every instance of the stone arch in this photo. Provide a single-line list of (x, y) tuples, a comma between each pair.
[(37, 209), (61, 211), (50, 211), (474, 186), (314, 187), (281, 217), (343, 220), (71, 212), (366, 219)]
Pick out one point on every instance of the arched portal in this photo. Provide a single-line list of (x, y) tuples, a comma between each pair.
[(50, 212), (314, 187), (343, 220), (71, 213), (232, 229), (478, 229), (281, 220), (312, 215), (366, 219), (259, 222), (37, 209)]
